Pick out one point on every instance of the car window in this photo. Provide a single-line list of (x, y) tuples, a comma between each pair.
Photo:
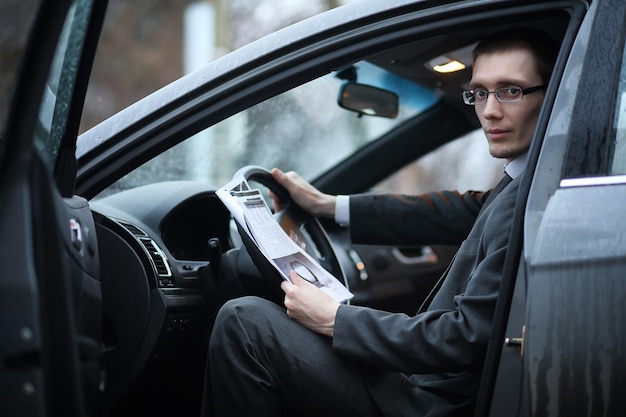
[(463, 164), (619, 156), (55, 105), (597, 140), (302, 129)]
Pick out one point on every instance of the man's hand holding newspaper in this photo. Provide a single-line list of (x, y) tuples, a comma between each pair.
[(254, 217)]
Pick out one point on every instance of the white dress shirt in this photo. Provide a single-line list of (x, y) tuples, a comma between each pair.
[(342, 204)]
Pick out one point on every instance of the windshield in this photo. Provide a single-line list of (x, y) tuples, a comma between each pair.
[(302, 129)]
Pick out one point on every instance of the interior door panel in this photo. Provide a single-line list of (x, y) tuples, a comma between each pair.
[(389, 277), (399, 278)]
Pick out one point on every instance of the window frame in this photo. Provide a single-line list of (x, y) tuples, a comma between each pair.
[(592, 130)]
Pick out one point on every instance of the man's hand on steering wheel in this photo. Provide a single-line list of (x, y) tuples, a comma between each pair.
[(288, 191), (303, 194)]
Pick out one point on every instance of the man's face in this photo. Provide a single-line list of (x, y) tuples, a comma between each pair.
[(508, 127)]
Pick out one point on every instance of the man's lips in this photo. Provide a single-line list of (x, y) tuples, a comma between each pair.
[(497, 134)]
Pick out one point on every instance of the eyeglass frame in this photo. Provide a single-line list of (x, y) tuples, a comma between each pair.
[(524, 92)]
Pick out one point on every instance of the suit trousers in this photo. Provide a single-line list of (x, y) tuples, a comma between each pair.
[(261, 360)]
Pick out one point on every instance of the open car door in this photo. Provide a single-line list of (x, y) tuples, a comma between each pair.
[(50, 314)]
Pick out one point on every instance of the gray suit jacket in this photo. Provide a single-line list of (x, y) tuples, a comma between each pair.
[(430, 364)]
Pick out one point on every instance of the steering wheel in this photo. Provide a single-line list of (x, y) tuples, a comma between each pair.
[(303, 228)]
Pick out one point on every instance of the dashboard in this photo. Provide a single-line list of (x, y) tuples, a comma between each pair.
[(154, 263), (160, 288)]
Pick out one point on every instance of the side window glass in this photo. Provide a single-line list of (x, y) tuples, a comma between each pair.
[(287, 131), (59, 92), (463, 164), (619, 155)]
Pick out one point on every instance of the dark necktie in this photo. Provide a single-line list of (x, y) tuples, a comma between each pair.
[(506, 179)]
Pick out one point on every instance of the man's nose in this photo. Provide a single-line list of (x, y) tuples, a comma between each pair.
[(492, 108)]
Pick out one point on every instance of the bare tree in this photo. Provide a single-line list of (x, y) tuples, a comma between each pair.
[(331, 4)]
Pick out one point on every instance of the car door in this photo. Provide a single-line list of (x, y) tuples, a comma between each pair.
[(562, 351), (49, 289)]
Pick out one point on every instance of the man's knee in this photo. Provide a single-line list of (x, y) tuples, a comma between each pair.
[(241, 315)]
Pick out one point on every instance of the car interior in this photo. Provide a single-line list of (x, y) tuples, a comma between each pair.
[(157, 260)]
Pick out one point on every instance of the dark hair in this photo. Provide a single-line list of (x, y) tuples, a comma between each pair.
[(541, 45)]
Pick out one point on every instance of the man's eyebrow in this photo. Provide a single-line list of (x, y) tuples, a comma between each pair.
[(501, 83)]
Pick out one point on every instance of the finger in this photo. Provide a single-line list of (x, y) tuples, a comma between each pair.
[(295, 278), (278, 175), (288, 180), (286, 300), (276, 203)]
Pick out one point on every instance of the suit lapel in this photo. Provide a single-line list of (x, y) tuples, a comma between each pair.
[(506, 179)]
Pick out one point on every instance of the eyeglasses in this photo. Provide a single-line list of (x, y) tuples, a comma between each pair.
[(509, 94)]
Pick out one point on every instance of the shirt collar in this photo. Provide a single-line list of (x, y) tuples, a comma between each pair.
[(516, 166)]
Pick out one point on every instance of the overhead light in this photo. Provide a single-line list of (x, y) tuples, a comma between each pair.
[(452, 61), (450, 66)]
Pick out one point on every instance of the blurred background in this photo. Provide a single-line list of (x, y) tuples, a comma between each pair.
[(181, 35), (146, 44), (169, 38)]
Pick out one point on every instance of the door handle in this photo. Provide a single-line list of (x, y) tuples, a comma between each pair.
[(415, 256), (517, 342)]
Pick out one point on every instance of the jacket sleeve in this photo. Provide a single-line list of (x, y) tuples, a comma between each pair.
[(433, 218), (452, 335)]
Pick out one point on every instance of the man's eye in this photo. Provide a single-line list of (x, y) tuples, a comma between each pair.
[(513, 91), (480, 93)]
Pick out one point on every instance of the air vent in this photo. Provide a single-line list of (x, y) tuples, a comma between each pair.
[(157, 258), (134, 229)]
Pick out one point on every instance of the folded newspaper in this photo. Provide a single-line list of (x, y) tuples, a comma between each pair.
[(254, 217)]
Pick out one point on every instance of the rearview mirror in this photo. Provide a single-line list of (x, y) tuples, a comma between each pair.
[(368, 100)]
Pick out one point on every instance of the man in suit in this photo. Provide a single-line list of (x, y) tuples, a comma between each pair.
[(319, 357)]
